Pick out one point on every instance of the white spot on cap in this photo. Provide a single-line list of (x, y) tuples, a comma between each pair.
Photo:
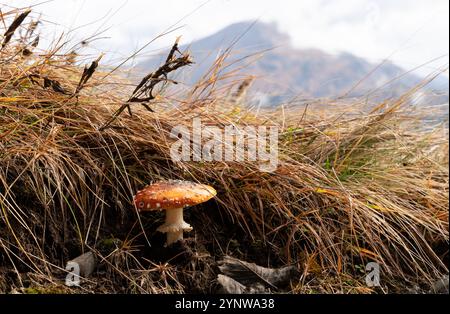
[(148, 205), (158, 205)]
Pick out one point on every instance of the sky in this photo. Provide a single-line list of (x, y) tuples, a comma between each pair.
[(411, 33)]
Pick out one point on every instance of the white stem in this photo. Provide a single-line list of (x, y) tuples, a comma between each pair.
[(174, 225), (173, 237), (174, 217)]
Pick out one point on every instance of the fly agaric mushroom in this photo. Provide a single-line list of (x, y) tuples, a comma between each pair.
[(173, 196)]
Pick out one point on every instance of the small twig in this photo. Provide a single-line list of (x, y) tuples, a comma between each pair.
[(55, 85), (143, 93), (47, 82), (12, 28), (87, 74), (35, 41), (31, 28)]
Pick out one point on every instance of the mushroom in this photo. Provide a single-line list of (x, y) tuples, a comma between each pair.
[(173, 196)]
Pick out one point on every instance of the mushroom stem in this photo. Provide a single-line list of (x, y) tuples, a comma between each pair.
[(174, 225), (173, 237)]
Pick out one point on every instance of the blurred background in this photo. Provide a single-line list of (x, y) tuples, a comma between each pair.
[(303, 49)]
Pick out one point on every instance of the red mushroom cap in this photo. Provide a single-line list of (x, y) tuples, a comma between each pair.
[(172, 194)]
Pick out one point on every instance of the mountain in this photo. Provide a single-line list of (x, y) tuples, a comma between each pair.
[(290, 72)]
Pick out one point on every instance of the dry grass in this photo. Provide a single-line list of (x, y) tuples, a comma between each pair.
[(349, 189)]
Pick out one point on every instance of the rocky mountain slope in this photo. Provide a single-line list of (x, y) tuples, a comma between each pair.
[(283, 71)]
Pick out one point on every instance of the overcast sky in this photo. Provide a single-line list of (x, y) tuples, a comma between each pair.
[(409, 32)]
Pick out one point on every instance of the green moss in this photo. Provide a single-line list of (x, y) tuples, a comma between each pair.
[(44, 290), (107, 245), (31, 290)]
